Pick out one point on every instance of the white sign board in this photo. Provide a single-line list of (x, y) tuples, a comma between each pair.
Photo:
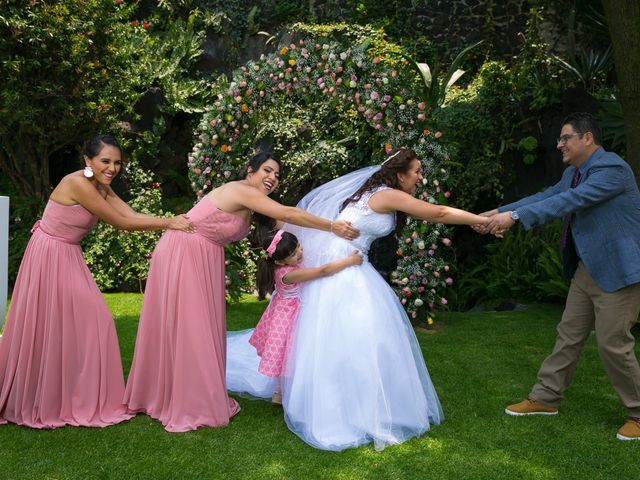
[(4, 254)]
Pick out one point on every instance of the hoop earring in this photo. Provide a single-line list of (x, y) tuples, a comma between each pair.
[(88, 171)]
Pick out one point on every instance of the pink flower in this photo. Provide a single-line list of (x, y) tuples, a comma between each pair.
[(421, 105), (448, 281), (446, 242), (443, 301), (437, 134), (421, 116)]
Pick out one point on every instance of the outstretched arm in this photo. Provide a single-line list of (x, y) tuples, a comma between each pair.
[(118, 216), (306, 274), (252, 199), (396, 200)]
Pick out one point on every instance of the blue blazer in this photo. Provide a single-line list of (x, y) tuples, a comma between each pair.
[(605, 222)]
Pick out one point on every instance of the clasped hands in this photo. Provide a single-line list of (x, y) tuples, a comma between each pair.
[(498, 223)]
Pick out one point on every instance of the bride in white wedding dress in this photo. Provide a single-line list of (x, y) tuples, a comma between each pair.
[(355, 373)]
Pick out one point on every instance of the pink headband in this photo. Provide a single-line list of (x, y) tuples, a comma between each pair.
[(274, 243)]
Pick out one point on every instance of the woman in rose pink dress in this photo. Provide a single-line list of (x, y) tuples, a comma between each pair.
[(178, 370), (59, 356), (281, 268)]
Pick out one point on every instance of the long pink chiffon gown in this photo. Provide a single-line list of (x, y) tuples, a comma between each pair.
[(178, 370), (59, 355)]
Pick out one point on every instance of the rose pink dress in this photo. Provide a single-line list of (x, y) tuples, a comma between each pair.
[(272, 334), (59, 356), (178, 370)]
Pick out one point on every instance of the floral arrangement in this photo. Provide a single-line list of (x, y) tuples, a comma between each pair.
[(366, 95)]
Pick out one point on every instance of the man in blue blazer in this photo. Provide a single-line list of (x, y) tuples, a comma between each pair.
[(599, 200)]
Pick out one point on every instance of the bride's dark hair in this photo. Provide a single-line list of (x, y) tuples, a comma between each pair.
[(398, 161)]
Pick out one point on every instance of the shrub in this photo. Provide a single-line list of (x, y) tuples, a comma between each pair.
[(523, 266)]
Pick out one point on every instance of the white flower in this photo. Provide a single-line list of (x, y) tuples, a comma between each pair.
[(418, 302), (421, 245)]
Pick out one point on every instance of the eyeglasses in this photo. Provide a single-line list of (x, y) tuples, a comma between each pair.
[(420, 171), (565, 138)]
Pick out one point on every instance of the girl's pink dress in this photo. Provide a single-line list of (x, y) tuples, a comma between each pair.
[(272, 334), (178, 370), (59, 356)]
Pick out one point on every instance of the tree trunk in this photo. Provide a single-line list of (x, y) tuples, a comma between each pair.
[(623, 17), (27, 167)]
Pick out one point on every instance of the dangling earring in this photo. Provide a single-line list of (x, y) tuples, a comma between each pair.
[(88, 171)]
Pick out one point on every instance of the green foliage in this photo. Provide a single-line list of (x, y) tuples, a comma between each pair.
[(528, 145), (69, 69), (536, 77), (524, 266), (611, 123), (590, 68), (436, 82), (120, 260), (477, 125)]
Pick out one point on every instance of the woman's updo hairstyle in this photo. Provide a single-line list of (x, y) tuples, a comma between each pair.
[(257, 160), (93, 147)]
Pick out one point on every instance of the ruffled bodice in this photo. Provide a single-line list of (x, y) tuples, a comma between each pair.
[(216, 225), (371, 224), (65, 223)]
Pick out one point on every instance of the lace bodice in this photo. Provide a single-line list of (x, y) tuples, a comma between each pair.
[(371, 224)]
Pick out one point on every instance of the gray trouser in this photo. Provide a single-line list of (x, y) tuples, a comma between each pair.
[(612, 315)]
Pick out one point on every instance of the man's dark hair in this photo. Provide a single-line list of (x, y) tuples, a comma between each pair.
[(583, 122)]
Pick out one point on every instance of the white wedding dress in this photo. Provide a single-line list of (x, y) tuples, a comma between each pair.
[(355, 373)]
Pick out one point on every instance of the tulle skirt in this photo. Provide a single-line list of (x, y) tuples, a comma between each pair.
[(355, 372)]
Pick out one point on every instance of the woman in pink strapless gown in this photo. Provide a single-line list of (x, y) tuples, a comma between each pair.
[(178, 370), (59, 356)]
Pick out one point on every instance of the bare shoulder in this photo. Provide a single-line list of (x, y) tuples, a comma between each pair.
[(388, 199), (71, 183)]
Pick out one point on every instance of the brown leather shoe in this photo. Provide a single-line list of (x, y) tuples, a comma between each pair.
[(630, 430), (276, 398), (529, 406)]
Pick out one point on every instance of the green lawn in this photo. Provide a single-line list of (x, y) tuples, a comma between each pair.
[(478, 362)]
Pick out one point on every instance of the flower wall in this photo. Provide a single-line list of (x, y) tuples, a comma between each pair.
[(328, 108)]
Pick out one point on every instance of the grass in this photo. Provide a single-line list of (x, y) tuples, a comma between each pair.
[(479, 363)]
